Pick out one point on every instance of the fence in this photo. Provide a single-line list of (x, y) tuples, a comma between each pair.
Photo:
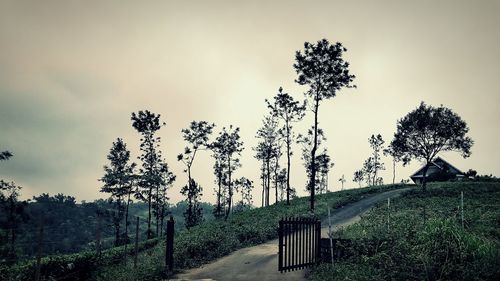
[(78, 266), (299, 241)]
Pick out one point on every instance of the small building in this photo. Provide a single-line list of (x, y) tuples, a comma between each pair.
[(439, 170)]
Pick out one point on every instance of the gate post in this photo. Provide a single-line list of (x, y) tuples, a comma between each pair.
[(169, 245), (280, 244)]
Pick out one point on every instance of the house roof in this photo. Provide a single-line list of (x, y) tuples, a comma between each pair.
[(414, 175)]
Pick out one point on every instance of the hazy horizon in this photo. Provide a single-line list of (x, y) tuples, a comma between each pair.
[(71, 74)]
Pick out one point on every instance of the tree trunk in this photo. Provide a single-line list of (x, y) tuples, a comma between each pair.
[(149, 212), (268, 180), (312, 183), (263, 182), (288, 144), (157, 210), (126, 218), (230, 190), (424, 179), (276, 180), (117, 223), (219, 194)]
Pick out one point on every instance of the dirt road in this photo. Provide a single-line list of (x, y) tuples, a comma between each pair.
[(261, 262)]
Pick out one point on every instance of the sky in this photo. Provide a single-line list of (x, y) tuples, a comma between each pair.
[(72, 72)]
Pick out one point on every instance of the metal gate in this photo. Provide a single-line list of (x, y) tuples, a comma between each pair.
[(299, 243)]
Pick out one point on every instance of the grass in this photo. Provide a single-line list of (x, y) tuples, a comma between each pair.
[(217, 238), (424, 239)]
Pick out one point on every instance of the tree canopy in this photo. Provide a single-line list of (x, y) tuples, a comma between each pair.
[(427, 131)]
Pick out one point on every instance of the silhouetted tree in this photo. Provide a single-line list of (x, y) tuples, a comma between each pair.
[(307, 142), (118, 182), (197, 136), (276, 167), (5, 155), (229, 146), (220, 174), (368, 168), (324, 163), (268, 148), (282, 177), (342, 181), (395, 158), (377, 144), (194, 213), (290, 111), (428, 130), (358, 177), (245, 187), (147, 123), (322, 68), (262, 155), (471, 174), (167, 178), (12, 214)]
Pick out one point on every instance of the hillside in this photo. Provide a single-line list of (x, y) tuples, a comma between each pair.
[(420, 237), (71, 227), (192, 247)]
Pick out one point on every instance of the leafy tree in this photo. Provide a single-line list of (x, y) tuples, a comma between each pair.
[(167, 178), (428, 130), (12, 209), (282, 177), (289, 111), (324, 163), (368, 167), (220, 174), (268, 149), (197, 136), (377, 144), (13, 214), (322, 68), (118, 182), (5, 155), (245, 187), (395, 158), (307, 142), (342, 181), (194, 213), (229, 146), (262, 155), (359, 177), (147, 123), (470, 174)]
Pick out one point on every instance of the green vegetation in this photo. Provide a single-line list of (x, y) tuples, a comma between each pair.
[(425, 239), (211, 240)]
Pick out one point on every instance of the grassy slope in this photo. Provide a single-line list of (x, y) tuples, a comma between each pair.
[(427, 240), (215, 239)]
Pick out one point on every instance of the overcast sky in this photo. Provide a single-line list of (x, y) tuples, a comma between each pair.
[(71, 73)]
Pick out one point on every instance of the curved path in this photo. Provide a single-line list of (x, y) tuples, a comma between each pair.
[(260, 262)]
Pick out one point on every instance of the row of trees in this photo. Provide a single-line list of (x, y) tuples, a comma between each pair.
[(13, 213), (151, 181)]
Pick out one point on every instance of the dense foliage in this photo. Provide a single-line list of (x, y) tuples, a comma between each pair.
[(424, 239)]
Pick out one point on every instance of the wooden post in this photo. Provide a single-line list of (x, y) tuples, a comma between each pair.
[(136, 242), (169, 245), (462, 207), (39, 251), (330, 235)]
